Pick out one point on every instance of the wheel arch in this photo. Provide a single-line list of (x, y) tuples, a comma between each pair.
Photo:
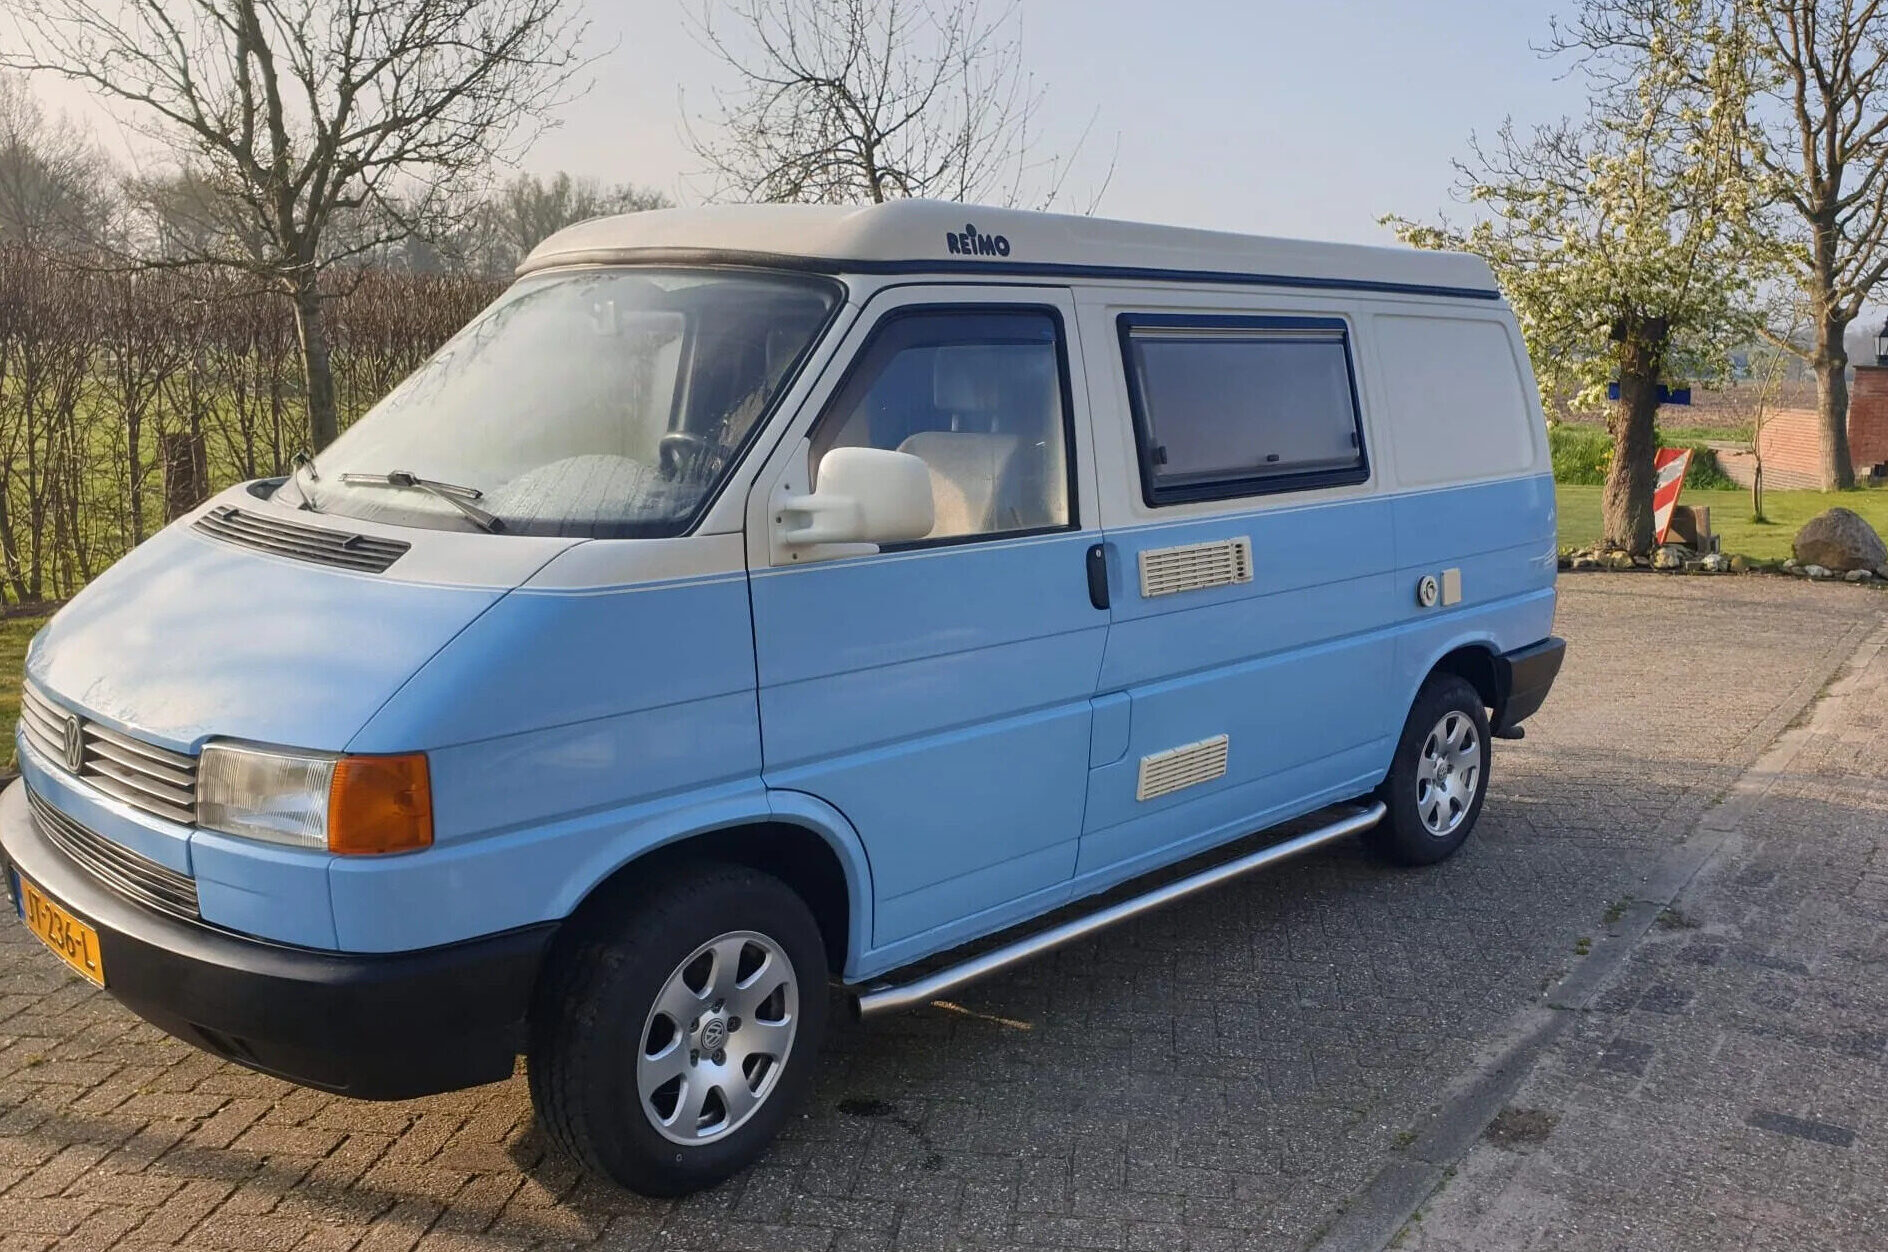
[(807, 844), (1478, 664)]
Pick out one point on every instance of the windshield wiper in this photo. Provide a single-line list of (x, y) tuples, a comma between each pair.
[(458, 497), (303, 463)]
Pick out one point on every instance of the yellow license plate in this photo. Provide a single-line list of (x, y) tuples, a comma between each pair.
[(71, 940)]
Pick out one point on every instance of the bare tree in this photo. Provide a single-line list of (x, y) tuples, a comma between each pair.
[(844, 101), (53, 188), (302, 117), (1820, 132), (528, 209)]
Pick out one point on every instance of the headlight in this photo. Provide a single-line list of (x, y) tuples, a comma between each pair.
[(348, 804)]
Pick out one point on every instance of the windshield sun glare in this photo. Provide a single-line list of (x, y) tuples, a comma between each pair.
[(597, 403)]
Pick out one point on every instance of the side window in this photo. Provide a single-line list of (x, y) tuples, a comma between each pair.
[(1240, 406), (979, 396)]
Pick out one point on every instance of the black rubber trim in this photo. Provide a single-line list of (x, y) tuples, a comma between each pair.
[(1523, 678), (377, 1027), (1097, 565), (946, 269), (1154, 492)]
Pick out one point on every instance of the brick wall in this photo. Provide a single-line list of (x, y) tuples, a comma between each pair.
[(1790, 454), (1868, 417), (1790, 450)]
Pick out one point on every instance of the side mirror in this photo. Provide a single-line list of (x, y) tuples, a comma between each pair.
[(865, 495)]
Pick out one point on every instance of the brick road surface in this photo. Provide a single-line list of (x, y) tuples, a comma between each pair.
[(1729, 1088), (1225, 1074)]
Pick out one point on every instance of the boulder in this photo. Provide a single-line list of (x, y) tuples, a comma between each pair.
[(1812, 570), (1737, 564), (1670, 557), (1839, 540), (1859, 576)]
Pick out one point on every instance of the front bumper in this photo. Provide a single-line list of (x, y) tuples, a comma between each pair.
[(1523, 679), (377, 1027)]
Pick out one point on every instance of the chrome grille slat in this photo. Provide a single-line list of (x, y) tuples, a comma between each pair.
[(125, 758), (149, 751), (182, 798), (138, 798), (155, 780), (319, 544), (129, 874), (35, 704), (39, 740), (42, 726), (41, 723), (127, 865)]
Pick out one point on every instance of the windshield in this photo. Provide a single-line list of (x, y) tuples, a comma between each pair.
[(604, 403)]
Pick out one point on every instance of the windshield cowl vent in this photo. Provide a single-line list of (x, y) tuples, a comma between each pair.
[(369, 554)]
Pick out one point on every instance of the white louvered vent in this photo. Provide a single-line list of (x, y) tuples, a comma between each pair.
[(1195, 566), (1165, 772)]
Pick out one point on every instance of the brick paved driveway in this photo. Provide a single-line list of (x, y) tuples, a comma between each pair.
[(1726, 1089), (1223, 1075)]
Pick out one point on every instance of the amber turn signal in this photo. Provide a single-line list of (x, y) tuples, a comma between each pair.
[(380, 804)]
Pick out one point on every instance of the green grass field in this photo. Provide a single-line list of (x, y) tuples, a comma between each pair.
[(1730, 516), (15, 634)]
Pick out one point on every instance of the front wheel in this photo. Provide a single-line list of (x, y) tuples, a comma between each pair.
[(1438, 777), (671, 1045)]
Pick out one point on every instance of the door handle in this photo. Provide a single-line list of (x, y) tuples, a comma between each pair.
[(1098, 576)]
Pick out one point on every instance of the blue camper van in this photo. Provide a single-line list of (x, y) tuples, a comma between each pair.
[(758, 609)]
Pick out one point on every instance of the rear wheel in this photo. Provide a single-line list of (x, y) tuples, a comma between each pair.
[(1438, 777), (672, 1043)]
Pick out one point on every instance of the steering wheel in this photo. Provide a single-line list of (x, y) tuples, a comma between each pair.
[(680, 451)]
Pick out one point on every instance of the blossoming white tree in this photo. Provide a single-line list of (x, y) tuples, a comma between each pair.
[(1615, 237)]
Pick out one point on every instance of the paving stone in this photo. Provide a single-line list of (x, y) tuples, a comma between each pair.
[(1761, 1115)]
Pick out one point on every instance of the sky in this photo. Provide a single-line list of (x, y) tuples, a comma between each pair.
[(1308, 119)]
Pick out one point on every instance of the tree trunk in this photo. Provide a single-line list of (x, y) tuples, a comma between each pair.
[(134, 442), (312, 330), (1832, 405), (186, 472), (1626, 504)]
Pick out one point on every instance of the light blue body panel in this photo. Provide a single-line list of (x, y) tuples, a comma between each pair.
[(187, 637), (567, 732), (1307, 633), (940, 700), (548, 658), (1503, 537), (261, 889)]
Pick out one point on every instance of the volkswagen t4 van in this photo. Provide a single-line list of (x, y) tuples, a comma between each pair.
[(756, 600)]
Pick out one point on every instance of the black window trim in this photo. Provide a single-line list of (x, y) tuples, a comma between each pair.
[(1156, 496), (900, 312)]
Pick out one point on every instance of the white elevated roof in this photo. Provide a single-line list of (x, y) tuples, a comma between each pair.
[(930, 236)]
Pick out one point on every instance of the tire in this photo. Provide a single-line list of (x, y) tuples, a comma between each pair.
[(607, 1028), (1428, 817)]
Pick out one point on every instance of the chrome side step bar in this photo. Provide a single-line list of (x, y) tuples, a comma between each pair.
[(879, 998)]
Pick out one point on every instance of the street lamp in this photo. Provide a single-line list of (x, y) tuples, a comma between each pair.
[(1881, 345)]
